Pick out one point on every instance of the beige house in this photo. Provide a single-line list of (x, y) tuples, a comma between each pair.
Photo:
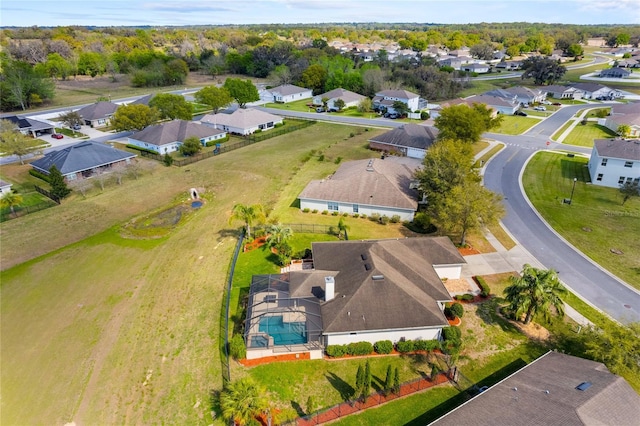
[(242, 121)]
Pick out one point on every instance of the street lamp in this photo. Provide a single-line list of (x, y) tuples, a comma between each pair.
[(573, 189)]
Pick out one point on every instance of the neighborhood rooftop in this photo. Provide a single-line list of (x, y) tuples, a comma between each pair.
[(625, 149), (409, 135), (176, 130), (80, 157)]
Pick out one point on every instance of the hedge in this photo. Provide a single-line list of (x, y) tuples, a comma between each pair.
[(383, 346), (237, 349), (359, 348), (405, 346), (465, 297), (336, 351), (483, 286), (457, 310), (426, 345), (138, 148), (39, 175), (450, 334)]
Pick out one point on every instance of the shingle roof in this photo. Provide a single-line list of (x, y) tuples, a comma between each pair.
[(491, 101), (545, 393), (588, 87), (23, 123), (403, 294), (624, 149), (630, 108), (98, 110), (4, 184), (343, 94), (174, 131), (242, 118), (404, 94), (383, 183), (410, 136), (288, 89), (82, 156)]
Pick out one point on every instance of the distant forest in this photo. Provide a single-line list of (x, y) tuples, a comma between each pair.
[(33, 57)]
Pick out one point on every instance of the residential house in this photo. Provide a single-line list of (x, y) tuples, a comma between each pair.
[(168, 137), (411, 140), (597, 41), (499, 104), (5, 188), (509, 65), (366, 187), (564, 92), (242, 121), (384, 100), (627, 114), (83, 160), (522, 95), (30, 126), (554, 389), (476, 67), (614, 162), (464, 51), (289, 93), (98, 114), (597, 91), (350, 99), (453, 61), (617, 72), (356, 291)]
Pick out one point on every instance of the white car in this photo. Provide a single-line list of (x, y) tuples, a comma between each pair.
[(539, 108), (545, 103)]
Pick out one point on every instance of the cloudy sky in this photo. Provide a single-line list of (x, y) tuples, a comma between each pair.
[(217, 12)]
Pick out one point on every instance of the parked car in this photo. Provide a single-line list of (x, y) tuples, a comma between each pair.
[(319, 109), (57, 136), (539, 108), (520, 113), (333, 110), (556, 104), (524, 104), (76, 127), (545, 103), (391, 115)]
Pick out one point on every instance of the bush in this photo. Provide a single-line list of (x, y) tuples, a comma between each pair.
[(334, 213), (336, 351), (167, 160), (451, 334), (325, 212), (359, 348), (384, 219), (426, 345), (457, 310), (138, 148), (278, 125), (338, 160), (237, 349), (483, 286), (422, 224), (424, 115), (345, 214), (395, 218), (375, 217), (383, 347), (464, 297), (364, 216), (356, 215), (258, 131), (306, 210), (405, 346), (321, 157), (39, 175), (584, 122), (314, 211)]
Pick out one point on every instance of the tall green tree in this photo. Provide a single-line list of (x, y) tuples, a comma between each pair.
[(359, 381), (617, 346), (366, 385), (58, 185), (624, 130), (243, 400), (401, 108), (543, 71), (71, 118), (13, 142), (172, 106), (388, 380), (215, 97), (465, 124), (11, 200), (134, 117), (314, 77), (190, 146), (278, 234), (247, 214), (396, 381), (23, 85), (536, 290), (243, 91)]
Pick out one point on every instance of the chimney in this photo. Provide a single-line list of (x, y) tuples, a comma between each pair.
[(329, 288)]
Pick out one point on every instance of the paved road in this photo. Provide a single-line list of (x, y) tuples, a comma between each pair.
[(502, 175)]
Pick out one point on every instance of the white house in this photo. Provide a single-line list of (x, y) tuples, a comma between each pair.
[(499, 104), (242, 121), (355, 291), (564, 92), (614, 162), (5, 188), (98, 114), (289, 93), (366, 187), (597, 91), (520, 94), (168, 137), (627, 114), (476, 67), (386, 98), (350, 99)]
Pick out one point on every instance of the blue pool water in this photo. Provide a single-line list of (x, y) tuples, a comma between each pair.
[(292, 333)]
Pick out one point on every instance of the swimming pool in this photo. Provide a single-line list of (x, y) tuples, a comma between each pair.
[(290, 333)]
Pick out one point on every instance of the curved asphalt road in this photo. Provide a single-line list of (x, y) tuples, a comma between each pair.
[(502, 175)]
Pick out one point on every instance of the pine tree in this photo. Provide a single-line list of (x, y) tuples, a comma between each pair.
[(359, 381), (311, 405), (388, 381), (396, 381), (58, 185), (366, 386)]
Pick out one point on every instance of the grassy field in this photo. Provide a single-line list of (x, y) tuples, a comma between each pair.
[(560, 131), (515, 125), (584, 134), (602, 223), (112, 330)]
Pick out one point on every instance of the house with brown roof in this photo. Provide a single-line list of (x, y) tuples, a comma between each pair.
[(366, 187), (242, 121), (289, 93), (350, 99), (98, 114), (555, 389), (410, 140), (356, 291), (167, 137), (624, 114), (614, 162)]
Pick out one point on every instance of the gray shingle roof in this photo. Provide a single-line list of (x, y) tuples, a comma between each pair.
[(544, 393), (384, 184), (25, 123), (288, 89), (410, 136), (588, 87), (242, 118), (625, 149), (405, 297), (404, 94), (79, 157), (491, 101), (346, 95), (174, 131), (4, 184), (98, 110)]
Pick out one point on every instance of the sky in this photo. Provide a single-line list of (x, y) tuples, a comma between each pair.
[(219, 12)]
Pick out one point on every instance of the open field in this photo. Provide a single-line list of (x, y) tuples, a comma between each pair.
[(602, 223), (515, 125), (112, 330), (584, 134)]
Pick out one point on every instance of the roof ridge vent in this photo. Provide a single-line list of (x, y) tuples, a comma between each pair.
[(377, 277)]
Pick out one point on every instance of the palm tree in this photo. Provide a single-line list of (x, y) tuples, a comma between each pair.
[(278, 234), (535, 290), (247, 214), (11, 200), (243, 400)]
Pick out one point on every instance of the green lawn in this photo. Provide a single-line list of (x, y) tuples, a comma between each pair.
[(602, 223), (560, 131), (584, 134), (515, 125)]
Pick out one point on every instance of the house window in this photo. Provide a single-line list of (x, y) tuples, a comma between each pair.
[(629, 180), (628, 163), (270, 124), (621, 180), (636, 181), (599, 178), (604, 162), (355, 208), (332, 206)]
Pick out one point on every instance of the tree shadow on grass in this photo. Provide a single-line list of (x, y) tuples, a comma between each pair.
[(298, 408), (345, 389), (488, 312)]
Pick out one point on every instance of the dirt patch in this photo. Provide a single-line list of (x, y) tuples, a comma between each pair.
[(532, 330), (458, 286), (467, 251)]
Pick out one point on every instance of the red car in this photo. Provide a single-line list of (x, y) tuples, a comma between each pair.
[(57, 136)]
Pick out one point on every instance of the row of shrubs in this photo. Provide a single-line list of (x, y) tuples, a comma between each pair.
[(484, 287), (381, 347), (375, 217), (39, 175)]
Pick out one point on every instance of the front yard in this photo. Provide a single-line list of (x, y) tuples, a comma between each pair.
[(584, 134), (515, 125)]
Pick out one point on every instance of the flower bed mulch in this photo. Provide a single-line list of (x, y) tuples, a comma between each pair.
[(256, 243), (454, 322), (275, 358), (467, 251)]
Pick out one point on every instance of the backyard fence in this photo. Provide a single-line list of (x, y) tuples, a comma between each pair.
[(25, 210), (47, 194)]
